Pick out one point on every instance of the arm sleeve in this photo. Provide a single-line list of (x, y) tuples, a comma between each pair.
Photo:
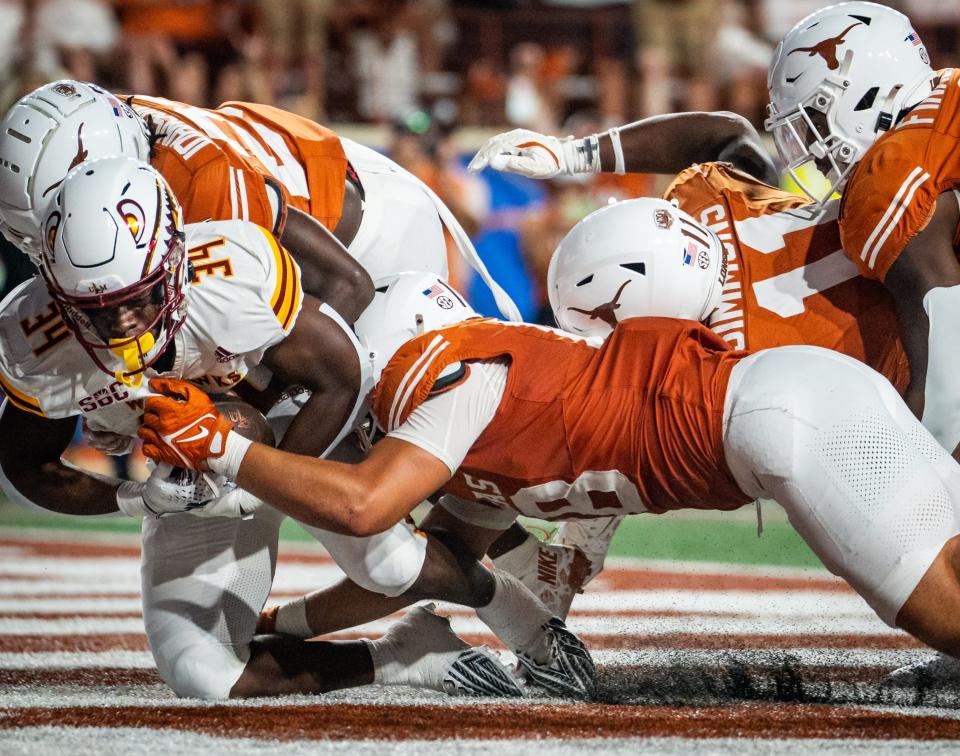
[(447, 425), (888, 201)]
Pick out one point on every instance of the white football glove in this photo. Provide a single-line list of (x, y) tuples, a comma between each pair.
[(168, 490), (114, 444), (233, 502), (537, 155), (171, 490)]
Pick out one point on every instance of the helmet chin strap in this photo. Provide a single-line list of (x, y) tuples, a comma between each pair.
[(131, 353)]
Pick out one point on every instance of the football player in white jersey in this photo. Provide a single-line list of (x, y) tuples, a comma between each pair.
[(125, 275), (243, 161)]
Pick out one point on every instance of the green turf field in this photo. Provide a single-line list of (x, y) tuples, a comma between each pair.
[(694, 536)]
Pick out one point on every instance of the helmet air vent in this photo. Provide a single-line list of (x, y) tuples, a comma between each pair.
[(866, 102)]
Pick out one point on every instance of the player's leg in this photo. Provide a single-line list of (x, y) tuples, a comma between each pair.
[(387, 573), (868, 488), (557, 571), (932, 613), (420, 650), (204, 582), (551, 655), (443, 565)]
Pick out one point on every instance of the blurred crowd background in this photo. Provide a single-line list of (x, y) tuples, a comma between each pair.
[(427, 81)]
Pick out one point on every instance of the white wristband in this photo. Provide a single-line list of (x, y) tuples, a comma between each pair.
[(619, 163), (235, 449), (130, 500)]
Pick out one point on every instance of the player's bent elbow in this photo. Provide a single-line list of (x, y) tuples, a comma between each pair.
[(365, 518), (360, 286)]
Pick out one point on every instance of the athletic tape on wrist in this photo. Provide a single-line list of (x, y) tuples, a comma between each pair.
[(582, 155)]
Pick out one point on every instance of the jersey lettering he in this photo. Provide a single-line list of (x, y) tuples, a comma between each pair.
[(727, 321)]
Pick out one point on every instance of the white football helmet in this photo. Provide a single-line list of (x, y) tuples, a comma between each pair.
[(852, 68), (636, 258), (47, 134), (113, 241), (406, 305)]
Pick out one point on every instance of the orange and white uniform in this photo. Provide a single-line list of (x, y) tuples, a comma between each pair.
[(892, 192), (664, 415), (888, 200), (246, 161), (251, 162), (634, 425), (788, 280)]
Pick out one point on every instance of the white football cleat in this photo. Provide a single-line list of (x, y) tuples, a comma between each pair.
[(553, 573), (570, 671), (937, 673), (422, 650)]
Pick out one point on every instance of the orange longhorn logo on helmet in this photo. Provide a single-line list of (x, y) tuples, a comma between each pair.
[(828, 48)]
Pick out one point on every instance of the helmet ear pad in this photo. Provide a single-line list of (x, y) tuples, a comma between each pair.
[(636, 258)]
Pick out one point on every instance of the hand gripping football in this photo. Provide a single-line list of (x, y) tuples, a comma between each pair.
[(183, 427)]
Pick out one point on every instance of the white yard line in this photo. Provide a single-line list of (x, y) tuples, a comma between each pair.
[(42, 741), (746, 603), (815, 624)]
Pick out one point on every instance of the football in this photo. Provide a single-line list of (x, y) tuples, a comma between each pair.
[(247, 420)]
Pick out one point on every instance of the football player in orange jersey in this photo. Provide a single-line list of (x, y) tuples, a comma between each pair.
[(788, 281), (514, 419), (884, 127), (331, 202), (55, 128)]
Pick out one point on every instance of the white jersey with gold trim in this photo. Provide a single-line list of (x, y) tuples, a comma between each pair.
[(243, 297)]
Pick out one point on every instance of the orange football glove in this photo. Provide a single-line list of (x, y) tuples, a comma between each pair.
[(182, 427)]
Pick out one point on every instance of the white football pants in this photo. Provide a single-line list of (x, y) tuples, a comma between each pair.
[(866, 485), (400, 229)]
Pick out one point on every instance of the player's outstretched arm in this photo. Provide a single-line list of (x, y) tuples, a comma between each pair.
[(660, 144), (327, 271), (355, 499), (182, 427), (925, 284), (30, 450)]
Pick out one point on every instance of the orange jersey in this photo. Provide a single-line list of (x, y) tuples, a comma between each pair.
[(893, 190), (221, 163), (788, 280), (635, 425)]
